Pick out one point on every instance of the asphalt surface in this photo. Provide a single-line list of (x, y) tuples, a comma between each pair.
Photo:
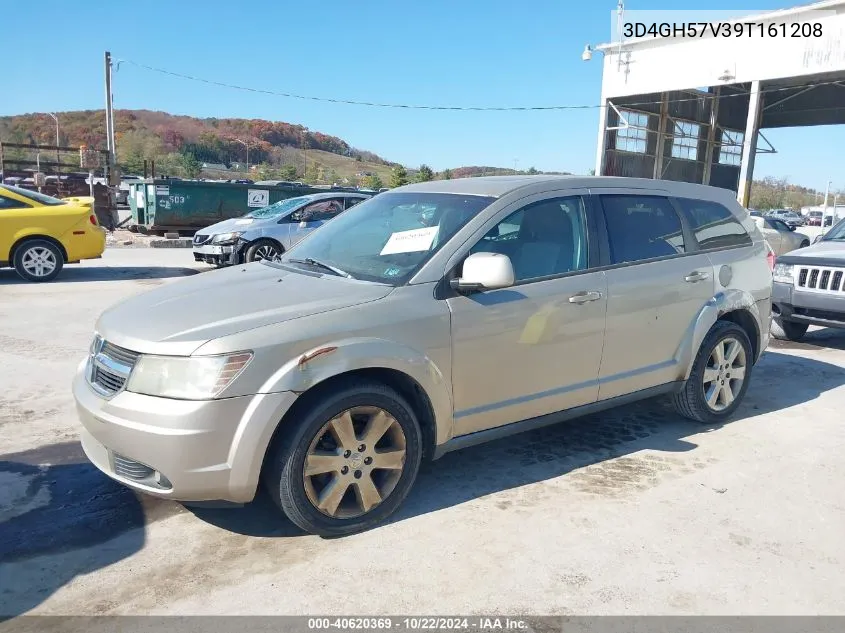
[(635, 511)]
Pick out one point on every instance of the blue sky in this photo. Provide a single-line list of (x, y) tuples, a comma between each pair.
[(442, 52)]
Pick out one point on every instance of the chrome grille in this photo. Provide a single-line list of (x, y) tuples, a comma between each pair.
[(131, 469), (201, 239), (821, 279), (110, 367)]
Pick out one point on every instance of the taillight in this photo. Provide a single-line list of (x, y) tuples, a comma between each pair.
[(93, 219), (771, 259)]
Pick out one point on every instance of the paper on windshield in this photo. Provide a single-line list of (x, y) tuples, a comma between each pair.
[(244, 221), (412, 241)]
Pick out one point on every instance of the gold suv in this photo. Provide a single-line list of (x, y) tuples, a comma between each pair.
[(426, 319)]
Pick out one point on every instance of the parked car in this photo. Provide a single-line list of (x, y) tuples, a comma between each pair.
[(781, 236), (814, 218), (39, 234), (268, 232), (809, 287), (789, 217), (380, 340)]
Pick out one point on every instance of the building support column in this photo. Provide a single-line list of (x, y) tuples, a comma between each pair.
[(711, 135), (601, 145), (661, 135), (749, 145)]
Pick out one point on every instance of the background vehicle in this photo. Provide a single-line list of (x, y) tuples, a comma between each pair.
[(791, 218), (782, 237), (432, 317), (814, 218), (809, 287), (39, 233), (268, 232)]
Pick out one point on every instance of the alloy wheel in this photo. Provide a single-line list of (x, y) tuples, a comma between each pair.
[(39, 261), (354, 462), (724, 374), (265, 251)]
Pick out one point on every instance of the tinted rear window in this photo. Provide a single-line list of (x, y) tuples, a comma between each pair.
[(713, 224)]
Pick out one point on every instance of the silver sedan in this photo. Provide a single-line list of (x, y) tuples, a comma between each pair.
[(268, 232)]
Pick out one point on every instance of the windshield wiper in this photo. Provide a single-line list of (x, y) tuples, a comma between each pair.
[(310, 261)]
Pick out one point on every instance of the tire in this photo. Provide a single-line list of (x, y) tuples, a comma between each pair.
[(788, 330), (263, 249), (299, 495), (692, 401), (804, 244), (38, 260)]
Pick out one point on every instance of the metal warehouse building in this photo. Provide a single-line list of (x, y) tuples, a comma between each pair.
[(696, 109)]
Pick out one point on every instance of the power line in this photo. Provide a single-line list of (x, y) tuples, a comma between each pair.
[(374, 104)]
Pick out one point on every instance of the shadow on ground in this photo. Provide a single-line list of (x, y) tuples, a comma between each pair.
[(780, 381), (74, 273), (829, 338), (54, 505)]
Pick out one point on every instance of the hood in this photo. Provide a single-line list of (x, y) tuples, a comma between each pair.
[(236, 224), (179, 317), (819, 254)]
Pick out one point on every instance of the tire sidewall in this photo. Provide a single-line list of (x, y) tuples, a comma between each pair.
[(716, 336), (250, 252), (290, 482), (788, 330), (26, 246)]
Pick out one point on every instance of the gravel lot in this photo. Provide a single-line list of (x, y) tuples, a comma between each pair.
[(631, 512)]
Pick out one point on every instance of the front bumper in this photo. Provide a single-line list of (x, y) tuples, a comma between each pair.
[(179, 449), (217, 255), (814, 308)]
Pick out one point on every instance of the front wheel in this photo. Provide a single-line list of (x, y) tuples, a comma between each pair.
[(349, 463), (787, 330), (38, 260), (263, 249), (719, 377)]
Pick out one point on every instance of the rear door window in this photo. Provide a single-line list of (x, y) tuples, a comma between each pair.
[(641, 227), (713, 224)]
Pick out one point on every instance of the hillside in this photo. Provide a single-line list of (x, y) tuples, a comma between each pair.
[(180, 145)]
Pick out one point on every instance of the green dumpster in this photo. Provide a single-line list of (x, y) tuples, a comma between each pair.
[(161, 205)]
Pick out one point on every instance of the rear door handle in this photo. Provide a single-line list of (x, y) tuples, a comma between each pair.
[(585, 296), (696, 276)]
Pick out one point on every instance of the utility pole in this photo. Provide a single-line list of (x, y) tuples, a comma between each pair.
[(824, 209), (58, 158), (109, 117)]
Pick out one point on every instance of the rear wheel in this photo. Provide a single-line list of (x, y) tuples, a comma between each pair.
[(263, 249), (349, 463), (788, 330), (38, 260), (719, 377)]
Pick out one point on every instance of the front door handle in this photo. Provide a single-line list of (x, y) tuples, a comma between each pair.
[(585, 296), (696, 276)]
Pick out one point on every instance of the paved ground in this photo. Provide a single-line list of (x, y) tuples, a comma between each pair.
[(636, 511)]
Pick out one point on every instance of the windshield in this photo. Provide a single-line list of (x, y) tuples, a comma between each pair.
[(836, 233), (279, 208), (34, 196), (387, 238)]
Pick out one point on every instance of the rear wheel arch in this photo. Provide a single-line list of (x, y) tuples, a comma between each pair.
[(748, 322), (21, 241)]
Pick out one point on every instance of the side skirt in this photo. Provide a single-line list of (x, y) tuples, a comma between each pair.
[(488, 435)]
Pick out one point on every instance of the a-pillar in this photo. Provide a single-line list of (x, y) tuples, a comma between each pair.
[(749, 145)]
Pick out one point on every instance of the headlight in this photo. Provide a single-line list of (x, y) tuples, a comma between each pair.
[(186, 378), (782, 273), (226, 238)]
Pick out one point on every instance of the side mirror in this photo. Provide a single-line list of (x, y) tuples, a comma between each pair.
[(791, 227), (485, 271)]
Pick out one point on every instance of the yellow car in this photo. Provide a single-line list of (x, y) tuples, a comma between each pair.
[(39, 234)]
